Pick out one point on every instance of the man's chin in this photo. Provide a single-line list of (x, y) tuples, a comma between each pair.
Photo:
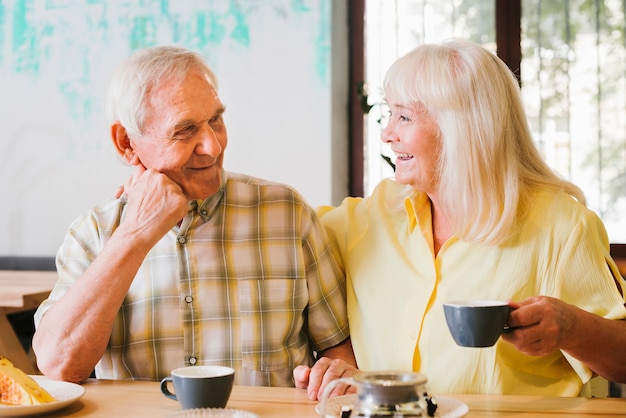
[(201, 193)]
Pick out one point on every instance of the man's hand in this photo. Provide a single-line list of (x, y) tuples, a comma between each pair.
[(155, 203), (323, 372), (139, 169), (335, 362)]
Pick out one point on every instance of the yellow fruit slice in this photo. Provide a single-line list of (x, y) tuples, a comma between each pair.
[(17, 388)]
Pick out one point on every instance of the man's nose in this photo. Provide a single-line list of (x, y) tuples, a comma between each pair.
[(209, 143)]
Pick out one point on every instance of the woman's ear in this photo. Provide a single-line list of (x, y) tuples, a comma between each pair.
[(122, 143)]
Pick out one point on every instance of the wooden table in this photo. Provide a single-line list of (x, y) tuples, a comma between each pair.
[(123, 399), (21, 291)]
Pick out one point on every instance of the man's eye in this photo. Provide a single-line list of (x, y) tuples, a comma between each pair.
[(216, 120), (185, 132), (404, 118)]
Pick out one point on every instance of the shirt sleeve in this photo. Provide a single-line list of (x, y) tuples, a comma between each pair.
[(327, 313), (82, 242), (588, 277)]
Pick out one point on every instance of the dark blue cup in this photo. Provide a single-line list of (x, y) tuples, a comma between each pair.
[(200, 386), (476, 323)]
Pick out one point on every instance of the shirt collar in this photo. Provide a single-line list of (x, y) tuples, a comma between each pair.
[(205, 207), (417, 208)]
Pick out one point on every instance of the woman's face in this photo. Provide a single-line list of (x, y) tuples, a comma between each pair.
[(414, 138)]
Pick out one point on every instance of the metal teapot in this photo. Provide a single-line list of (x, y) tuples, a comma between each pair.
[(385, 394)]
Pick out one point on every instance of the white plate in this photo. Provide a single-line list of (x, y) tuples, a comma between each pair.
[(65, 394), (446, 407)]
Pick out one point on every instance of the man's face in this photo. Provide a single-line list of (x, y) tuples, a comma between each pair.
[(184, 135)]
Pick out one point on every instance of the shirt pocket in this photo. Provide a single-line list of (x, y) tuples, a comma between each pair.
[(273, 332)]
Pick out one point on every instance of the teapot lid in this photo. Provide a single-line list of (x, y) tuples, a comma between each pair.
[(390, 378), (390, 393)]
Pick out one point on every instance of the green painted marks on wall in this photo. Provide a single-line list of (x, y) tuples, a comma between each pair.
[(23, 40), (241, 32), (323, 40), (70, 46)]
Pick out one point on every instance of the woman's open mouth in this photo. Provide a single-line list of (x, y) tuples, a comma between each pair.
[(402, 156)]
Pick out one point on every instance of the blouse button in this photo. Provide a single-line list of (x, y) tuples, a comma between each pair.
[(188, 298), (193, 360), (182, 240)]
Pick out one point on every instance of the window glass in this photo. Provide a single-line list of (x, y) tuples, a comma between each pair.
[(573, 75), (392, 29)]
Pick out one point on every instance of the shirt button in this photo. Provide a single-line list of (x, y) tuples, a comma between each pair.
[(188, 299), (193, 360), (203, 212), (182, 240)]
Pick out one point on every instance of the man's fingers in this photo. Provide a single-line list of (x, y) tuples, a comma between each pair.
[(325, 371), (130, 181), (316, 375), (119, 192), (341, 389), (301, 376)]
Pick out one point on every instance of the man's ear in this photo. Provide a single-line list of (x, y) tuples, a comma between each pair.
[(122, 143)]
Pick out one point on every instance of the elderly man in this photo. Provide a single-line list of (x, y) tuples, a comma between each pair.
[(192, 264)]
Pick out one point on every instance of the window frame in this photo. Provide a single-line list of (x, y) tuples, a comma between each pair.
[(508, 43), (508, 19)]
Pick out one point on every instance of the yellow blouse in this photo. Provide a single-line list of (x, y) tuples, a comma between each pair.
[(396, 288)]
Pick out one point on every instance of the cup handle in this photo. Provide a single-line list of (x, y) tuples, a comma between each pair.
[(329, 388), (165, 390), (507, 328)]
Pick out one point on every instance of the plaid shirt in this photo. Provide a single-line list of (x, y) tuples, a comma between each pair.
[(246, 281)]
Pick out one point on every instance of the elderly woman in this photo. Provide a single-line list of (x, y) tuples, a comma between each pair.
[(475, 213)]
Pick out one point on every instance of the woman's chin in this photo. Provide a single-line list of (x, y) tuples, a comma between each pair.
[(403, 177), (411, 180)]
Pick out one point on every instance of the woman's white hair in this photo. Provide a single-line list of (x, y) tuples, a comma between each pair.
[(132, 83), (489, 166)]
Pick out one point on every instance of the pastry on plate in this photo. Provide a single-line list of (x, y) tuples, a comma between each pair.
[(17, 388)]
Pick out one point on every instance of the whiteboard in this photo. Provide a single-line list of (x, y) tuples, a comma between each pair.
[(273, 60)]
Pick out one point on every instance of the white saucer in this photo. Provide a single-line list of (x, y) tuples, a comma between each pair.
[(214, 413), (65, 394), (446, 407)]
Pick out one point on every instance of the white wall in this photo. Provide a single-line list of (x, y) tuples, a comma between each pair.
[(282, 67)]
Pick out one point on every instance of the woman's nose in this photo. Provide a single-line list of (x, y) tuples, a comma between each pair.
[(388, 135)]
